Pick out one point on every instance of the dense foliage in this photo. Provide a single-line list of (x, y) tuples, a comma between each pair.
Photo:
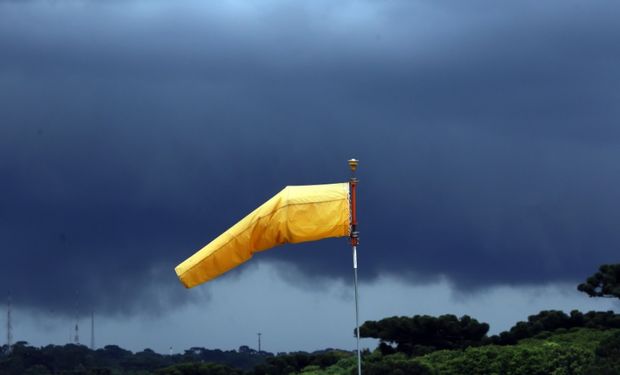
[(550, 342), (296, 362), (422, 334), (113, 360), (579, 351), (199, 368), (552, 320), (604, 283)]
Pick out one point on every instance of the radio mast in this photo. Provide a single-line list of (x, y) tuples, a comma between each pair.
[(92, 330), (9, 325), (76, 338)]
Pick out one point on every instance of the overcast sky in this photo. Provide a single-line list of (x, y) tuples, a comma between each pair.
[(134, 132)]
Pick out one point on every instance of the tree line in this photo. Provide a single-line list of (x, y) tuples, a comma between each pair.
[(417, 345)]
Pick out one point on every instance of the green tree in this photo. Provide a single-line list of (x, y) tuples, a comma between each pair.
[(297, 362), (552, 320), (422, 334), (607, 357), (199, 369), (604, 283), (397, 364), (38, 370)]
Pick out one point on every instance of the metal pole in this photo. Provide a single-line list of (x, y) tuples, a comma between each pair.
[(357, 323), (354, 238)]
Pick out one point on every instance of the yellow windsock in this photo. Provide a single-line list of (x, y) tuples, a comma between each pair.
[(295, 214)]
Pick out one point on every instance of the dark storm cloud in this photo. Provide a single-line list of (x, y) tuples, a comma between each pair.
[(133, 133)]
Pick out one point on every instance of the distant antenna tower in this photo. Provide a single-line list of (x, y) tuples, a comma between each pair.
[(259, 335), (9, 325), (76, 338), (92, 330)]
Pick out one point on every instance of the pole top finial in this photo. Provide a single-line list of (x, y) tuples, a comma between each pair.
[(353, 164)]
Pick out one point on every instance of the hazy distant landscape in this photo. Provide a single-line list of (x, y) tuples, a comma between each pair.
[(550, 342)]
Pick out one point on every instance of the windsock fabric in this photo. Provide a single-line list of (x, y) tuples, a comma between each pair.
[(296, 214)]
